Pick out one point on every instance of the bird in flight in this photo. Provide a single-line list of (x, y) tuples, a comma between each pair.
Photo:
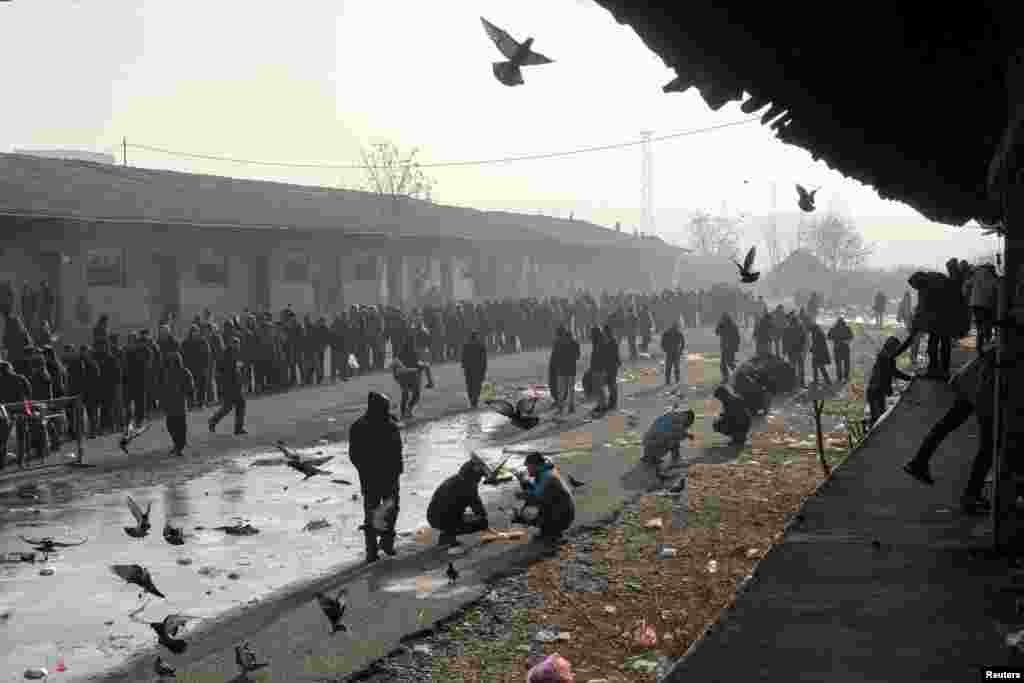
[(139, 575), (746, 276), (142, 525), (452, 573), (518, 55), (806, 201), (521, 413)]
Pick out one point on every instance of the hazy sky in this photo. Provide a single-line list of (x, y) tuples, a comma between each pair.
[(312, 81)]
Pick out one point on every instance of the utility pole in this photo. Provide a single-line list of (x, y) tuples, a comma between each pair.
[(647, 181), (124, 151)]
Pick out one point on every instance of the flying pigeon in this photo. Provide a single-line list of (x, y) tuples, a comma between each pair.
[(172, 535), (139, 575), (452, 573), (246, 659), (163, 669), (334, 609), (576, 483), (308, 468), (806, 201), (142, 524), (238, 529), (131, 434), (518, 55), (287, 452), (746, 276), (521, 414), (47, 544)]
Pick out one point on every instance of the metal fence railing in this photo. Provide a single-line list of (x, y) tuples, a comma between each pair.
[(37, 432)]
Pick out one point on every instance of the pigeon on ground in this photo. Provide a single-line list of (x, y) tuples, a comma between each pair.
[(518, 55), (746, 275), (334, 609), (163, 669), (308, 468), (806, 201), (521, 413), (167, 629), (142, 525), (172, 535), (48, 544), (246, 659), (139, 575), (238, 529), (576, 483), (452, 573), (344, 482)]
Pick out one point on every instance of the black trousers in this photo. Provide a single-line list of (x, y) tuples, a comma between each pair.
[(138, 408), (950, 422), (229, 403), (372, 498), (474, 383), (727, 363), (672, 363), (612, 382), (177, 427), (842, 356)]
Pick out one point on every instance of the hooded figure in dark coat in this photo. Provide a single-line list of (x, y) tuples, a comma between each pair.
[(375, 448), (177, 390), (548, 493), (474, 367), (447, 508)]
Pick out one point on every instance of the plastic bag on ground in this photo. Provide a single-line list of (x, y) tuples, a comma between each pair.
[(554, 669)]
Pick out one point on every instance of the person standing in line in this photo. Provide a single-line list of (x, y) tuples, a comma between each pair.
[(729, 344), (612, 364), (672, 343), (841, 335), (565, 353)]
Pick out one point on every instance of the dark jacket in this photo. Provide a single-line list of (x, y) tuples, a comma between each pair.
[(230, 378), (564, 355), (882, 375), (672, 341), (177, 388), (195, 352), (375, 446), (138, 363), (819, 347), (841, 336), (454, 495), (41, 382), (474, 358), (729, 334), (110, 371), (14, 388), (794, 339)]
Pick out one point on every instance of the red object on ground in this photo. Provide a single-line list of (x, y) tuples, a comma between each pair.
[(60, 665), (28, 407)]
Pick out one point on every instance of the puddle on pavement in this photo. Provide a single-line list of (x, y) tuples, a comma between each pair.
[(67, 613)]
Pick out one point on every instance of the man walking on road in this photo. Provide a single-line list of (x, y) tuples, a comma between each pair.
[(375, 449), (229, 384), (474, 367)]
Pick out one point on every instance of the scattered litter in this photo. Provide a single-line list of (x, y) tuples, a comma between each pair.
[(108, 622), (643, 663), (234, 576), (553, 669), (184, 561), (422, 649), (60, 668), (47, 571), (208, 571), (456, 551), (653, 523), (332, 419), (753, 552), (666, 553), (36, 673), (712, 566), (610, 609), (546, 636), (645, 636), (316, 525)]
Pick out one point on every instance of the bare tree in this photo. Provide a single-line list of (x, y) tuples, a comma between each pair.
[(394, 177), (837, 243), (714, 235)]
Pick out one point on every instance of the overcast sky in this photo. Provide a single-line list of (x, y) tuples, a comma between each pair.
[(313, 81)]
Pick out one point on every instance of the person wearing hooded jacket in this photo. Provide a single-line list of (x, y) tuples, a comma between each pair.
[(841, 335), (474, 367), (447, 508), (729, 341), (176, 391), (548, 492), (375, 449)]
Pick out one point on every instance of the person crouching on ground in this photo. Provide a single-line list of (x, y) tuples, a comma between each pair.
[(447, 508), (973, 385), (546, 491), (882, 375), (375, 449), (177, 388)]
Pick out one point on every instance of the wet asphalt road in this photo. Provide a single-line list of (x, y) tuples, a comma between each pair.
[(213, 571)]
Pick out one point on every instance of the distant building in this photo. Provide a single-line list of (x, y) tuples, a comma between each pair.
[(69, 154)]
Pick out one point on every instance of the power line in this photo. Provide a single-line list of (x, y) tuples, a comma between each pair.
[(529, 157)]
